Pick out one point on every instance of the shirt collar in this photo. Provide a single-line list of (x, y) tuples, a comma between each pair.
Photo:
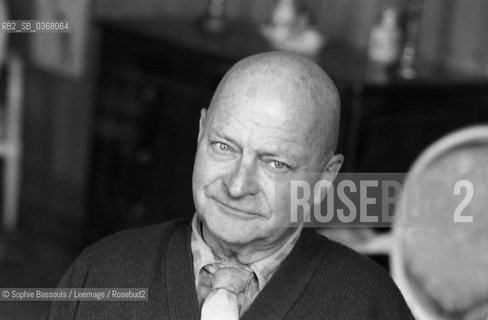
[(264, 269), (202, 254)]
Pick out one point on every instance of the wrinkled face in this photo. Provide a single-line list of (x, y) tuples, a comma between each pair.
[(251, 144)]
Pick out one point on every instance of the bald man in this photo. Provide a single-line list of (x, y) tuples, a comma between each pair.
[(274, 118)]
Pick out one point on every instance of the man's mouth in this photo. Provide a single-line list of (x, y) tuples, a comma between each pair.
[(236, 211)]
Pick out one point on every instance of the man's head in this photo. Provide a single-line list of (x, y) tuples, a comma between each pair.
[(273, 118)]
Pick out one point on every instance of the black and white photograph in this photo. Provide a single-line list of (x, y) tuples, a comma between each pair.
[(243, 159)]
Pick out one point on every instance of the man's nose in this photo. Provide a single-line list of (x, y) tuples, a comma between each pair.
[(241, 181)]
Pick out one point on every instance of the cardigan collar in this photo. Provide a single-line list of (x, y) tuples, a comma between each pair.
[(272, 303)]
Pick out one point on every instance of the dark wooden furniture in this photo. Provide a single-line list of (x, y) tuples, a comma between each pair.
[(155, 76)]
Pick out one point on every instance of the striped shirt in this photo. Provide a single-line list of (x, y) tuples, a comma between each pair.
[(204, 259)]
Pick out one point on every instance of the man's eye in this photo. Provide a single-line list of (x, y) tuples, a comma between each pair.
[(222, 147), (280, 165)]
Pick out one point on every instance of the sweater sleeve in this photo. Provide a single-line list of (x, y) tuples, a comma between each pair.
[(390, 304)]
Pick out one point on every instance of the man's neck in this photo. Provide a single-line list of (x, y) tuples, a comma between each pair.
[(245, 253)]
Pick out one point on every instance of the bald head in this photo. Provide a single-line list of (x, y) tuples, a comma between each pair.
[(304, 90)]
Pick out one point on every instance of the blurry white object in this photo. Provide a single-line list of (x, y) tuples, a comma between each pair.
[(63, 53), (290, 30), (384, 42), (11, 140), (284, 15), (3, 35), (10, 129), (308, 42), (214, 20), (440, 265), (408, 57), (439, 258)]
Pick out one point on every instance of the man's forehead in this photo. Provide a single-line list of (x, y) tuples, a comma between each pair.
[(288, 134), (260, 97), (266, 119), (272, 113)]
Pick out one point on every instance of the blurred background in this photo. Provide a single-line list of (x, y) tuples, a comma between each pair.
[(100, 124)]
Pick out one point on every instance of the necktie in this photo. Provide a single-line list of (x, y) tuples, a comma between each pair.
[(221, 303)]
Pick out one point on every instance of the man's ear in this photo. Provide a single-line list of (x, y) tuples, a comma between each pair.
[(329, 174), (203, 117)]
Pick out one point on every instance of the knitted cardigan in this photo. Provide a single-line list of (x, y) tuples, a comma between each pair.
[(320, 279)]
